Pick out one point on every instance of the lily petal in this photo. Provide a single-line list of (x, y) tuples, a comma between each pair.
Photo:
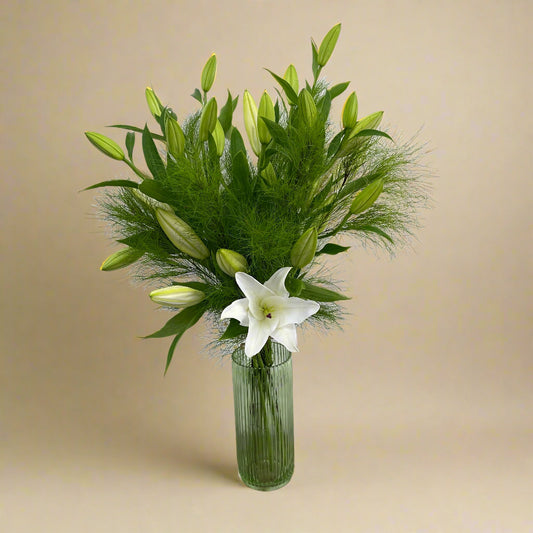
[(276, 283), (237, 310), (287, 336), (254, 291), (258, 333), (296, 310)]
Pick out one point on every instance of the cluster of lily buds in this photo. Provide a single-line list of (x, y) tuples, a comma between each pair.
[(177, 296), (366, 197), (121, 259), (304, 249), (231, 262), (181, 235)]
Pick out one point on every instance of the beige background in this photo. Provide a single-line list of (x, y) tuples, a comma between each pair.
[(416, 418)]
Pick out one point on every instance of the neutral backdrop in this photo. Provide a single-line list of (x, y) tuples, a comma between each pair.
[(416, 418)]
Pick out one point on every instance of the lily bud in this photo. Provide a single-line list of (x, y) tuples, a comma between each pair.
[(175, 137), (219, 138), (304, 249), (231, 262), (208, 121), (121, 259), (177, 296), (181, 235), (266, 109), (208, 73), (151, 202), (291, 76), (370, 122), (250, 122), (308, 107), (349, 111), (366, 197), (105, 145), (328, 45), (154, 104)]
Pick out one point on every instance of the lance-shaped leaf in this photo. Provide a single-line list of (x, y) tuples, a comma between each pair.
[(197, 95), (377, 231), (373, 133), (338, 89), (151, 155), (180, 322), (237, 143), (233, 330), (226, 113), (113, 183), (332, 249), (335, 144), (287, 88), (154, 190), (136, 129)]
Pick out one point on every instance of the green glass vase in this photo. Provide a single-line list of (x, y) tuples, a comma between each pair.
[(264, 423)]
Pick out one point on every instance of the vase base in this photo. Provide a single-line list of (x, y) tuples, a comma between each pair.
[(266, 487)]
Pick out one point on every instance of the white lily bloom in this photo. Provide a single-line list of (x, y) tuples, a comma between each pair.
[(268, 311)]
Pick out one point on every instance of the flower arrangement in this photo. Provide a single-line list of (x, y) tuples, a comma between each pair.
[(238, 237)]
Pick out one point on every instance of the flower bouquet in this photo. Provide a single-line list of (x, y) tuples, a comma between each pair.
[(238, 238)]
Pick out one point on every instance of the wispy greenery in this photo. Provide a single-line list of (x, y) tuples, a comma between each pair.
[(356, 182)]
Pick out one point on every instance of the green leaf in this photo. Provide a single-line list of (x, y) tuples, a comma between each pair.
[(235, 102), (320, 294), (332, 249), (278, 133), (287, 88), (378, 231), (241, 175), (197, 95), (233, 330), (180, 322), (338, 89), (113, 183), (325, 107), (136, 129), (154, 190), (226, 114), (236, 143), (151, 155), (335, 144), (276, 111), (130, 143), (372, 133)]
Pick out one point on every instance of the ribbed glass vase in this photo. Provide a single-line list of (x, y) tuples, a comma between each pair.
[(262, 393)]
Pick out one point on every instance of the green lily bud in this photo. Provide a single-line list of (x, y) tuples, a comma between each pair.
[(208, 121), (208, 73), (181, 235), (177, 296), (366, 197), (151, 202), (266, 109), (219, 138), (269, 174), (304, 249), (175, 137), (105, 145), (121, 259), (308, 107), (368, 123), (291, 76), (154, 104), (250, 122), (231, 262), (349, 111), (328, 45)]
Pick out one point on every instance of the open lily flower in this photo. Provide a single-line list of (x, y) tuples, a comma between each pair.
[(268, 311)]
